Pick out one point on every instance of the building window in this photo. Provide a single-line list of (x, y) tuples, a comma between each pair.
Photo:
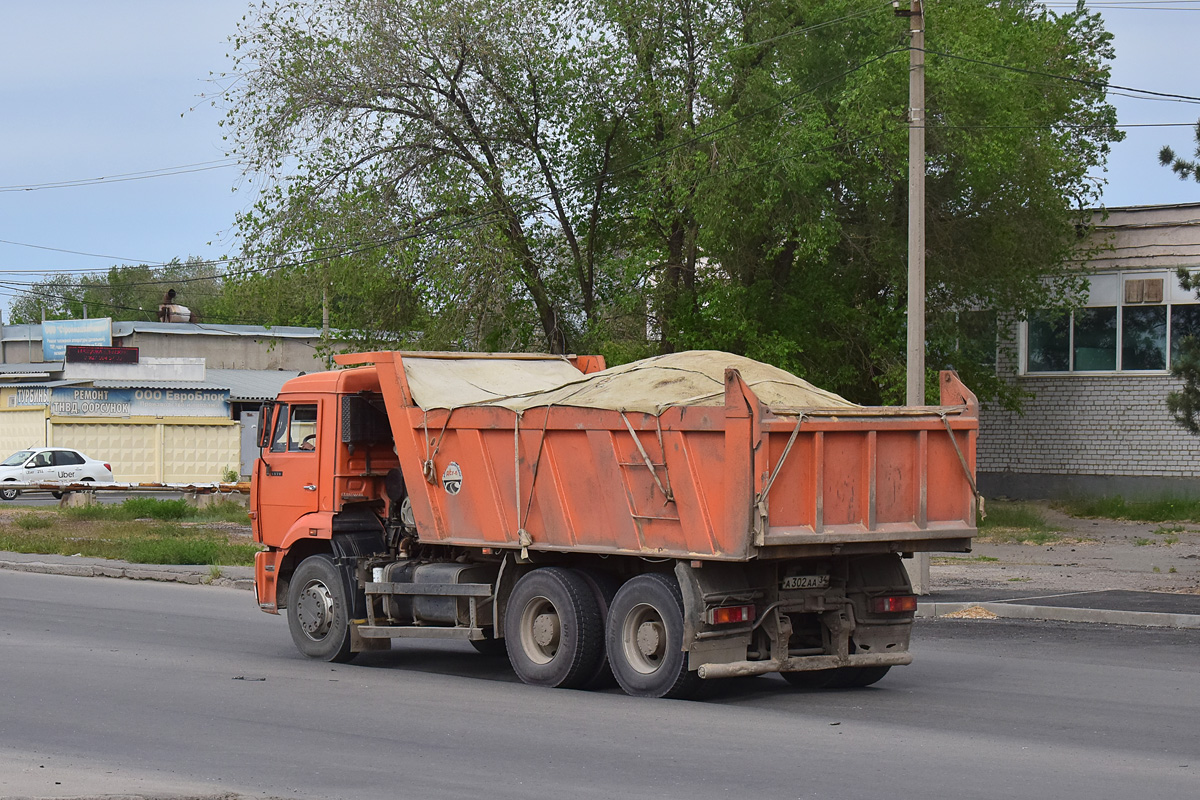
[(1144, 337), (1109, 338), (1049, 342), (1095, 339), (1185, 321)]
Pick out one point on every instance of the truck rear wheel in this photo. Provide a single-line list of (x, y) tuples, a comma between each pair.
[(318, 614), (645, 639), (553, 630)]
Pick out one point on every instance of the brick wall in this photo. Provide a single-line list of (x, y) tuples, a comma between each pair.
[(1083, 425)]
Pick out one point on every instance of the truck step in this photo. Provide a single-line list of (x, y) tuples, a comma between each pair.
[(419, 632)]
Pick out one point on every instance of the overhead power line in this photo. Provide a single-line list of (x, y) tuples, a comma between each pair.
[(202, 166)]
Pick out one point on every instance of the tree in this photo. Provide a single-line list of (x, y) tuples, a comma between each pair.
[(124, 292), (637, 176), (1184, 405), (1182, 167)]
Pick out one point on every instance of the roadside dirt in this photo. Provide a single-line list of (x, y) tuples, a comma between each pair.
[(1089, 555)]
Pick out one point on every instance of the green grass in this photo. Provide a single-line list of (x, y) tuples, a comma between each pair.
[(943, 560), (1165, 509), (140, 542), (1016, 523), (33, 522), (149, 508), (1003, 514)]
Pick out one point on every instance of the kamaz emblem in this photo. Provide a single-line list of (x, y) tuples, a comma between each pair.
[(452, 478)]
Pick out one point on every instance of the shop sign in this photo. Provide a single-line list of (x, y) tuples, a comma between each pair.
[(58, 333), (90, 402)]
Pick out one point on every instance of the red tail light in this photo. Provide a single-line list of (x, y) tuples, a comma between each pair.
[(728, 614), (107, 467), (894, 605)]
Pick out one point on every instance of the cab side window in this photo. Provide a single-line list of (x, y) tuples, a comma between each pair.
[(279, 435), (302, 432), (40, 460), (65, 458)]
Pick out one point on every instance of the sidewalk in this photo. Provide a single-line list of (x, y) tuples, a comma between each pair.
[(1114, 607), (1111, 606), (83, 567)]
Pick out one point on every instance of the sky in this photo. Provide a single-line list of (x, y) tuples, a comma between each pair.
[(111, 89)]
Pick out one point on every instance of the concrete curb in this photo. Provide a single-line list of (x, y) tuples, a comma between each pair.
[(139, 572), (1145, 619)]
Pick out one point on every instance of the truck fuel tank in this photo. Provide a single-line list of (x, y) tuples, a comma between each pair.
[(439, 610)]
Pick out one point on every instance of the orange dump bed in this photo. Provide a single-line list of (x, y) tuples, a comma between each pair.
[(730, 480)]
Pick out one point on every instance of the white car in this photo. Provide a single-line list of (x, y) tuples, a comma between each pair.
[(41, 464)]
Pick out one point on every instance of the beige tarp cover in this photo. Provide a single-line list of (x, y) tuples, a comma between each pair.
[(694, 378)]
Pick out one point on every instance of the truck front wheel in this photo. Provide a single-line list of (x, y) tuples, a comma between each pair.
[(645, 639), (318, 615), (553, 630)]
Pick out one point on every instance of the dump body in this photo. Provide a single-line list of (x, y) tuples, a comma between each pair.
[(476, 497), (691, 483)]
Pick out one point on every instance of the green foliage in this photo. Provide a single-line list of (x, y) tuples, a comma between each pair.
[(1164, 509), (1004, 515), (158, 542), (651, 175), (1182, 167), (123, 293), (150, 508)]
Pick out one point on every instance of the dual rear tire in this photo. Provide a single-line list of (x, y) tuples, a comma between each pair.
[(559, 634)]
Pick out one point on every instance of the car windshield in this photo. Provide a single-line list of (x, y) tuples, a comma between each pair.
[(17, 458)]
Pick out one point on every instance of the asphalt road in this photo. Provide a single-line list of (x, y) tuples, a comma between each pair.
[(116, 687)]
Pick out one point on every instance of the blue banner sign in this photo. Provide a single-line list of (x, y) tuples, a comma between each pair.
[(58, 333), (66, 401)]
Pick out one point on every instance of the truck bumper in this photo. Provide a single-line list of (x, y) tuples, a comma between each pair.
[(741, 669)]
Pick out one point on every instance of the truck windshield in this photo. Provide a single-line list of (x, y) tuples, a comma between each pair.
[(17, 458)]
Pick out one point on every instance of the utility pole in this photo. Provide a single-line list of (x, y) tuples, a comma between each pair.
[(915, 395)]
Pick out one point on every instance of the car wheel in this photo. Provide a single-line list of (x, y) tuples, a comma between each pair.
[(318, 614), (552, 629), (9, 494), (645, 639)]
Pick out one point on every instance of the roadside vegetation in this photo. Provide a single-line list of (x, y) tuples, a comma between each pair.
[(1016, 523), (140, 530), (1166, 509)]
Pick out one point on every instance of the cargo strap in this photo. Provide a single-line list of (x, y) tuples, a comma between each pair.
[(427, 467), (524, 538), (666, 490), (966, 469)]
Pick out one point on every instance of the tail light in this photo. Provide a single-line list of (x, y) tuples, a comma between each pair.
[(894, 605), (108, 467), (728, 614)]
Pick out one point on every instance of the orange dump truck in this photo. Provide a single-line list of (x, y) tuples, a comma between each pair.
[(691, 516)]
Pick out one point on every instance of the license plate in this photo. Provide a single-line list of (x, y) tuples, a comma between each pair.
[(806, 582)]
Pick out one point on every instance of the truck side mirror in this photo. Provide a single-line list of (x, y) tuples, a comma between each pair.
[(265, 426)]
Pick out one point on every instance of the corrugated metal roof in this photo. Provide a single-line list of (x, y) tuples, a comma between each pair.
[(133, 383), (37, 368), (244, 385), (39, 384), (120, 329), (247, 385)]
